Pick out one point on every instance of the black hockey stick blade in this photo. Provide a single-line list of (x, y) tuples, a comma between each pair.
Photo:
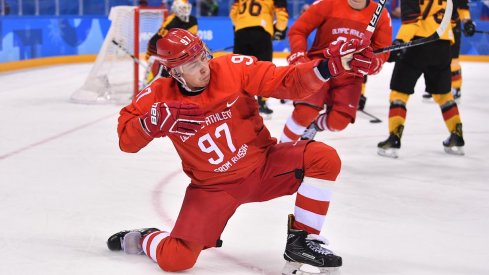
[(374, 119), (435, 36)]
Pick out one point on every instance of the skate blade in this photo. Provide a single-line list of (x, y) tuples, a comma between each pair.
[(131, 243), (389, 153), (455, 150), (295, 268)]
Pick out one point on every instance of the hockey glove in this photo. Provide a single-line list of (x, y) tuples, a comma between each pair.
[(365, 63), (469, 28), (297, 58), (396, 55), (340, 54), (167, 118), (278, 34)]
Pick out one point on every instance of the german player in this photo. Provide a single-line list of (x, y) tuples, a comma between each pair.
[(208, 111), (432, 60), (333, 20)]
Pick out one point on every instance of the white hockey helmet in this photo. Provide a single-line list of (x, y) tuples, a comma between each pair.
[(182, 9)]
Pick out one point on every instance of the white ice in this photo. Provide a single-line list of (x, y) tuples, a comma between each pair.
[(65, 187)]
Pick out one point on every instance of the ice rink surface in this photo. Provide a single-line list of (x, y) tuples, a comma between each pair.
[(65, 187)]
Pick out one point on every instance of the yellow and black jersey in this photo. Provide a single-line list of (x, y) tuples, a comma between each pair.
[(421, 18), (462, 8), (262, 13), (172, 22)]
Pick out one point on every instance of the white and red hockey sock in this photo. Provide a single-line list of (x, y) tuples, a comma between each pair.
[(292, 131), (151, 242), (311, 205)]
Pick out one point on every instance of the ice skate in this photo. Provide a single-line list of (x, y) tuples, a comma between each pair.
[(311, 131), (129, 240), (390, 147), (454, 144), (306, 254)]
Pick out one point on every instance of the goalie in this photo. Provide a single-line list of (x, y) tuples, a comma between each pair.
[(179, 18)]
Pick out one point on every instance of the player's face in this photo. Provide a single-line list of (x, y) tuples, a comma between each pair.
[(357, 4), (196, 72)]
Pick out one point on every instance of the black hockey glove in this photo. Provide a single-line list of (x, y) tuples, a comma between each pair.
[(279, 35), (469, 28), (396, 55), (362, 102)]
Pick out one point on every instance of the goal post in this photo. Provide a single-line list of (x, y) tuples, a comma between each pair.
[(118, 71)]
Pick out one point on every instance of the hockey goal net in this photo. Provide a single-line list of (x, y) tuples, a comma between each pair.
[(118, 71)]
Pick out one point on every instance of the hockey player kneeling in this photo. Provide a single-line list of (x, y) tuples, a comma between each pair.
[(207, 108)]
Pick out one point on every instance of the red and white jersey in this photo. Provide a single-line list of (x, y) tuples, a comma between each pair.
[(336, 20), (233, 140)]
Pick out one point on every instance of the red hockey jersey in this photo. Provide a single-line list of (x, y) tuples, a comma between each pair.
[(336, 20), (233, 140)]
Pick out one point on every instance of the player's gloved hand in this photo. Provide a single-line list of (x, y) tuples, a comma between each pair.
[(172, 117), (469, 28), (297, 58), (362, 102), (365, 62), (278, 34), (340, 54), (398, 54)]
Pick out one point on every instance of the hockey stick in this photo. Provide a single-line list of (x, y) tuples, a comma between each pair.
[(435, 36), (484, 32), (374, 118), (135, 59), (223, 49), (375, 18)]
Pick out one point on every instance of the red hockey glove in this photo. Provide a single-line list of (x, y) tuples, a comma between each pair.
[(297, 58), (365, 63), (340, 53), (172, 118)]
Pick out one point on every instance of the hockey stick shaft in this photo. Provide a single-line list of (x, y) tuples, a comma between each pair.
[(371, 116), (435, 36), (135, 59), (484, 32), (375, 18), (223, 49)]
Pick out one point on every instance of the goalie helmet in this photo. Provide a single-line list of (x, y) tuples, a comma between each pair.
[(182, 9)]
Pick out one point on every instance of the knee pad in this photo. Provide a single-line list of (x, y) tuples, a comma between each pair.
[(305, 114), (398, 97), (177, 255), (337, 121), (321, 161), (444, 99)]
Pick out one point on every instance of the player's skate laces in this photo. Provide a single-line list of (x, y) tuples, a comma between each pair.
[(310, 131), (454, 144), (390, 146), (129, 240), (306, 253)]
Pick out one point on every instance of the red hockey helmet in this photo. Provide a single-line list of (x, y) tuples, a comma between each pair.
[(178, 47)]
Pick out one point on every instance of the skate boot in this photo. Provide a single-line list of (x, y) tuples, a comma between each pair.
[(263, 108), (311, 131), (129, 240), (308, 250), (454, 144), (390, 147)]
